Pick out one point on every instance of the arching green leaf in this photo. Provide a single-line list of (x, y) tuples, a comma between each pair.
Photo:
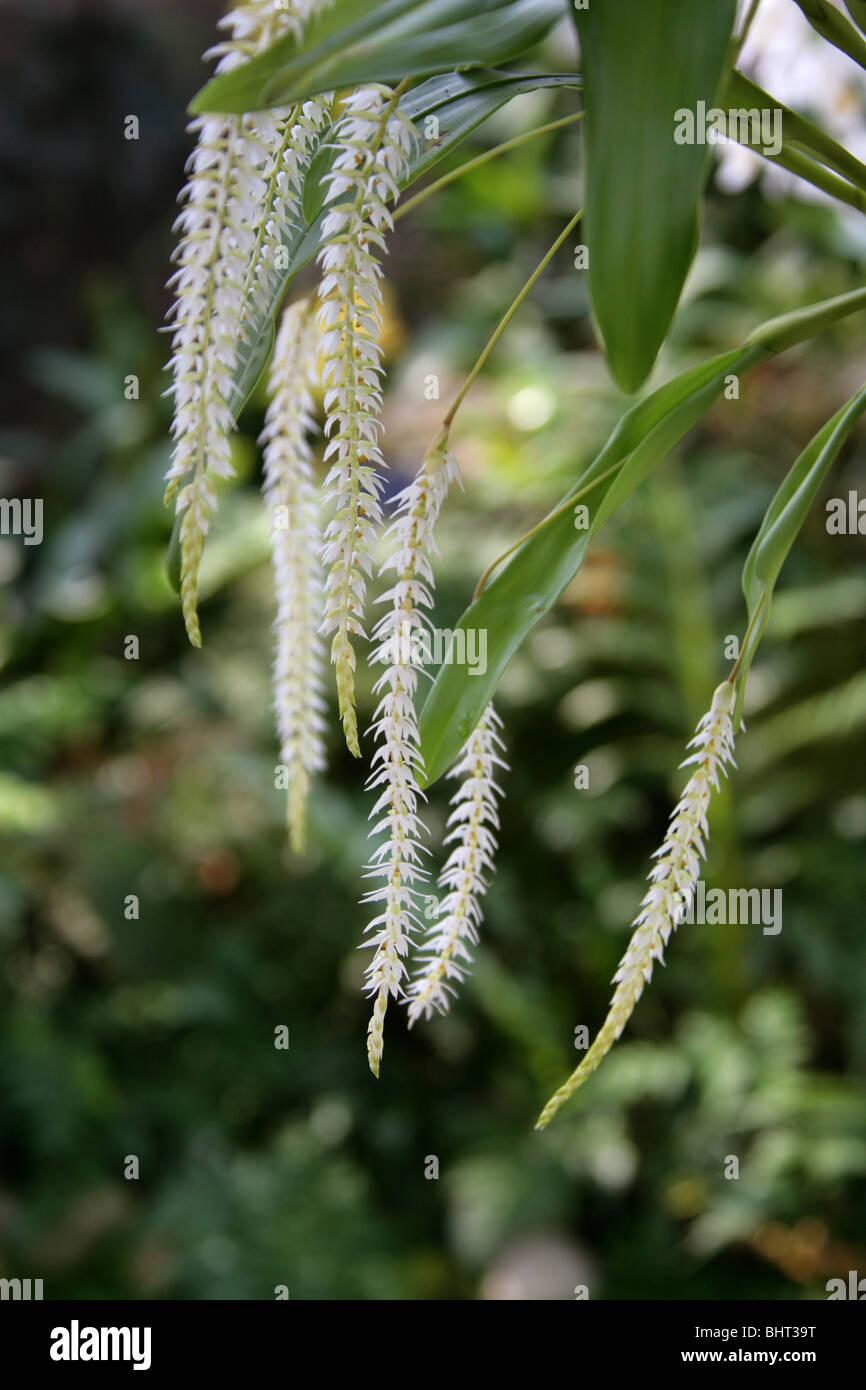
[(355, 41), (781, 525), (831, 24), (804, 145), (643, 65), (530, 582)]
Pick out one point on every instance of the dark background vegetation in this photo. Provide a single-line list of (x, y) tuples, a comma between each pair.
[(154, 1037)]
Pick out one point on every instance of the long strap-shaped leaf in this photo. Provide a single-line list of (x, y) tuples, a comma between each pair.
[(643, 62), (832, 25), (857, 11), (532, 580), (806, 149), (358, 41), (781, 525)]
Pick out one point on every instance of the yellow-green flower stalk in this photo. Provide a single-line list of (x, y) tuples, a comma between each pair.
[(372, 141), (672, 885), (291, 498)]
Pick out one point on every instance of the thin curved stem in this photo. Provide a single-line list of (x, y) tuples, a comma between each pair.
[(732, 675), (740, 38), (507, 317)]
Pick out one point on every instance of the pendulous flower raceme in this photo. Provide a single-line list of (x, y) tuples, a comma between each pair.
[(246, 200), (292, 500), (291, 139), (231, 172), (397, 859), (672, 885), (472, 826), (372, 142), (242, 203), (215, 247)]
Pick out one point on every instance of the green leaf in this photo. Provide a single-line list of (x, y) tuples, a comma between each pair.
[(857, 11), (550, 556), (460, 104), (642, 64), (799, 138), (781, 525), (832, 25), (513, 601), (357, 41), (819, 176)]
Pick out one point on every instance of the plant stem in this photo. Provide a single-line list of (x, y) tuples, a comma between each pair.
[(744, 32), (507, 317), (732, 676)]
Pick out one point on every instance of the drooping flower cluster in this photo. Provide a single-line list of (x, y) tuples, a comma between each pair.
[(397, 859), (672, 885), (230, 172), (292, 501), (256, 24), (472, 826), (212, 258), (372, 142), (246, 207), (243, 204), (243, 200), (291, 141)]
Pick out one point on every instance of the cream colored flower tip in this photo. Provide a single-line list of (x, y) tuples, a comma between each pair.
[(672, 884), (255, 25)]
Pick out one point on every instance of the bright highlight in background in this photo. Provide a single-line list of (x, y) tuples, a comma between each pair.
[(531, 407)]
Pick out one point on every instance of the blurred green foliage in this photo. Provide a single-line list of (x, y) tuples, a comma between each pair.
[(154, 778)]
